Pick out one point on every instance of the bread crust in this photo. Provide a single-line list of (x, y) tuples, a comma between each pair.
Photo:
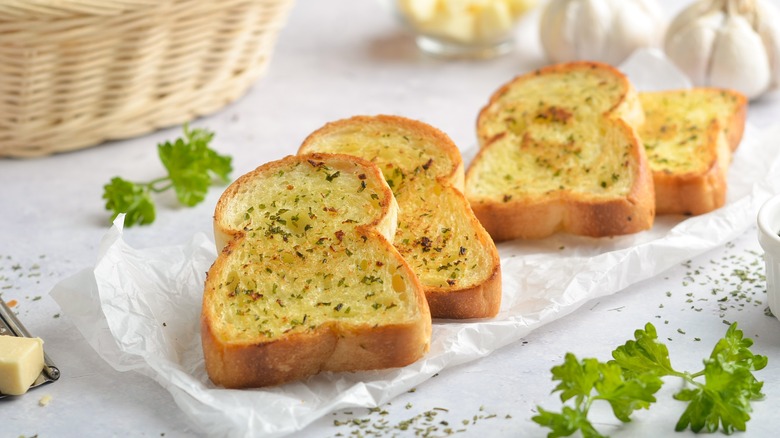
[(533, 217), (337, 345), (475, 299), (330, 347)]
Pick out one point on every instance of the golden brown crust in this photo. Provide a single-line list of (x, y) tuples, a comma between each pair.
[(335, 345), (566, 210), (482, 300), (475, 299)]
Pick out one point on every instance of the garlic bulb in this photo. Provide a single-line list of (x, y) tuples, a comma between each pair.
[(728, 44), (599, 30)]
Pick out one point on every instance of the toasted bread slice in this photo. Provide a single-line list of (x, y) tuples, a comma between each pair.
[(559, 153), (438, 234), (309, 280), (561, 94), (689, 136)]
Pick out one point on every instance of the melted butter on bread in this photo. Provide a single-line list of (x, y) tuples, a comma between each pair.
[(308, 280), (438, 234)]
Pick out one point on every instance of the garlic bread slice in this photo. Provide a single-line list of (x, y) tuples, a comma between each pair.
[(689, 136), (560, 153), (308, 280), (438, 234)]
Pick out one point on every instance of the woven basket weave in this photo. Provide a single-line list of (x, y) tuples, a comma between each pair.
[(75, 73)]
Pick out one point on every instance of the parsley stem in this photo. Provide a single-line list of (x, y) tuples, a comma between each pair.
[(153, 185), (690, 377)]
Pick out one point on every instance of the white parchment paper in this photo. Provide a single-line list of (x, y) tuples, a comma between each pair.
[(139, 308)]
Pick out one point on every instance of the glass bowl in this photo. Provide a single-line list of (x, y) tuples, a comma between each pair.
[(462, 28), (769, 238)]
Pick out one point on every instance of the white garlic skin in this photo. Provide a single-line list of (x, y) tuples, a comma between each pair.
[(731, 44), (599, 30)]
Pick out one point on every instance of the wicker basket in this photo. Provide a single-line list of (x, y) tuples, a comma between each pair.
[(75, 73)]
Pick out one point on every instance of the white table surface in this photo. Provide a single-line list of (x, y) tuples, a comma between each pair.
[(335, 59)]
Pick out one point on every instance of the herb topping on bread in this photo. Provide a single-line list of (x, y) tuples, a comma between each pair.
[(559, 153), (689, 136), (438, 234), (307, 280)]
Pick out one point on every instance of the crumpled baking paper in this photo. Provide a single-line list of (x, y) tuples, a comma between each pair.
[(139, 308)]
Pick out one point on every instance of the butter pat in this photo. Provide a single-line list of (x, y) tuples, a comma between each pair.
[(465, 21), (494, 20), (21, 362), (419, 10)]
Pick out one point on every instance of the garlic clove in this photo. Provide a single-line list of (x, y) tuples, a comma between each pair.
[(556, 35), (737, 60), (629, 33), (691, 46), (592, 29), (599, 30), (768, 28), (692, 13), (744, 54)]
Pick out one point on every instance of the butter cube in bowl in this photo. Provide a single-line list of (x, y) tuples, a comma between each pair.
[(462, 28), (769, 238), (21, 362)]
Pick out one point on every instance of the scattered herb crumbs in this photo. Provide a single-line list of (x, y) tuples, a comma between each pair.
[(434, 422), (731, 283)]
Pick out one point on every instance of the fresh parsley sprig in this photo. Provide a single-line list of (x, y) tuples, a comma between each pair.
[(629, 382), (192, 167)]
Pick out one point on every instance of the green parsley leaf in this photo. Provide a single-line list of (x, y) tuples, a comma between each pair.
[(629, 382), (644, 354), (626, 392), (723, 401), (192, 165), (123, 196), (192, 168), (577, 378), (566, 423), (735, 348)]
